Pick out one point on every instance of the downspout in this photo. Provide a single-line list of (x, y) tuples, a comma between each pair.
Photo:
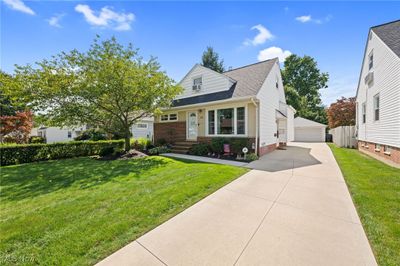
[(256, 141)]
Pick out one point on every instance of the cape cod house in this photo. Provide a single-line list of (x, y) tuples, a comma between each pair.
[(246, 102), (378, 93)]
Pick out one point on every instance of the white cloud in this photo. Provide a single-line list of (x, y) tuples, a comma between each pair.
[(339, 85), (19, 6), (263, 35), (107, 18), (273, 52), (55, 20), (304, 19)]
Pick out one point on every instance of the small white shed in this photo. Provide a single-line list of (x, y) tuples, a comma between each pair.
[(308, 131)]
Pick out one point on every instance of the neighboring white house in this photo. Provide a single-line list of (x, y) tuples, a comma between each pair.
[(378, 93), (246, 102), (142, 129), (308, 130)]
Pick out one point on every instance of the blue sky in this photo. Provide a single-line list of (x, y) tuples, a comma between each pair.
[(334, 33)]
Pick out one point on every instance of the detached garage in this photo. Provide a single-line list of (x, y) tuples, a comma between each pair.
[(308, 130)]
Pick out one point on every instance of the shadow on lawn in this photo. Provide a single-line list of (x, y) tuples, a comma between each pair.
[(33, 179)]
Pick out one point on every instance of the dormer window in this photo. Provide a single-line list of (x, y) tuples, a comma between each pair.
[(370, 60), (197, 82)]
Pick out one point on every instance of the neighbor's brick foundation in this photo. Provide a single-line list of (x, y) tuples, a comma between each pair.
[(170, 131), (370, 147)]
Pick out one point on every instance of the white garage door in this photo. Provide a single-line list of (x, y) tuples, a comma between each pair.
[(309, 134)]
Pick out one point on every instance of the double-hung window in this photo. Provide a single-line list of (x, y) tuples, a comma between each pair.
[(371, 60), (376, 107), (364, 112), (227, 121)]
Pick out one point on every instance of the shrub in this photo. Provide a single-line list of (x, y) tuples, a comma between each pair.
[(238, 144), (161, 142), (217, 144), (159, 150), (200, 149), (251, 157), (16, 154), (141, 144), (36, 139), (92, 134), (106, 151)]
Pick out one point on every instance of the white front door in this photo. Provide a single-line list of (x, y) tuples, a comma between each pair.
[(192, 126)]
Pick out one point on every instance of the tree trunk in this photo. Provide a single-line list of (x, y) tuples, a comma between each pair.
[(127, 139)]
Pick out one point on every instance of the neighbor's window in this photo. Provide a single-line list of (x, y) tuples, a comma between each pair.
[(69, 134), (371, 60), (277, 82), (164, 117), (376, 107), (363, 112), (211, 122), (225, 121), (240, 127), (142, 126)]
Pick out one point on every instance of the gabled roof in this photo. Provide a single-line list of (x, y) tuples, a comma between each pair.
[(389, 33), (303, 122), (247, 81)]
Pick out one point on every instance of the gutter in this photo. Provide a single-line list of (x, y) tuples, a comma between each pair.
[(256, 144), (234, 99)]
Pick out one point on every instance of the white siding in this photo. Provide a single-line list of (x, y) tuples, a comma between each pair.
[(269, 97), (386, 82), (56, 134), (138, 132), (212, 82)]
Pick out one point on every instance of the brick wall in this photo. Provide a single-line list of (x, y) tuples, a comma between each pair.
[(267, 149), (371, 147), (170, 131)]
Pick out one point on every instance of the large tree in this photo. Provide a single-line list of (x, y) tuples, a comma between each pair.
[(303, 81), (109, 86), (342, 112), (211, 60)]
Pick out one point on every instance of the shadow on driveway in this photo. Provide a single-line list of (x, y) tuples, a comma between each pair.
[(280, 160)]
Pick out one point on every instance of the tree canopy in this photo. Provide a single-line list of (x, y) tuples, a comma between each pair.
[(303, 81), (109, 86), (211, 60), (342, 112)]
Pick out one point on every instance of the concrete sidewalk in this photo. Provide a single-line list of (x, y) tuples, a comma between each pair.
[(292, 209)]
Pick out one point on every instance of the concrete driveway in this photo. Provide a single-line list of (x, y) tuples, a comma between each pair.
[(293, 208)]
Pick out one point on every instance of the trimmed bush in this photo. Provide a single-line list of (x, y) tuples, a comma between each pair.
[(238, 144), (92, 134), (36, 139), (200, 149), (159, 150), (217, 145), (140, 144), (16, 154), (251, 157)]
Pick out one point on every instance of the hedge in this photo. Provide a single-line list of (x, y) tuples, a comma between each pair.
[(17, 154)]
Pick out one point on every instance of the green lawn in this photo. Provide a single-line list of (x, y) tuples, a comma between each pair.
[(78, 211), (375, 188)]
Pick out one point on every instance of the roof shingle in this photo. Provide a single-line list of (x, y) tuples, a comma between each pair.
[(389, 33)]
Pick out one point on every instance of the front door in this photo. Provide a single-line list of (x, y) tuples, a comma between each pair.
[(192, 126)]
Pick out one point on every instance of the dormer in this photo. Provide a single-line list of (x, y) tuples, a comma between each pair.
[(202, 80)]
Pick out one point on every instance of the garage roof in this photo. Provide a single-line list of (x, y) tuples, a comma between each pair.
[(302, 122)]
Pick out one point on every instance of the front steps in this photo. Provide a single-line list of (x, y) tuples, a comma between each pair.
[(182, 147)]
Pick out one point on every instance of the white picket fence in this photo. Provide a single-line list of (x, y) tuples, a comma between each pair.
[(344, 136)]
